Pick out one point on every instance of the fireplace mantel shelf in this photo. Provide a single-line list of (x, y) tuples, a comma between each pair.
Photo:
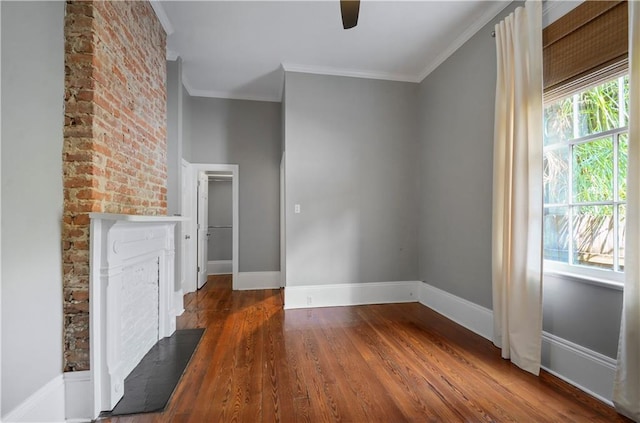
[(137, 218)]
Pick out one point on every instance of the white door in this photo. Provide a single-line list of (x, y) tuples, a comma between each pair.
[(203, 212), (188, 263)]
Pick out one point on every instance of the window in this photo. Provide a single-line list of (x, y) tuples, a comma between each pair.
[(585, 58), (585, 172)]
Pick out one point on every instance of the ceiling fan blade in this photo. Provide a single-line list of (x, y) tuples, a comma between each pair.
[(349, 9)]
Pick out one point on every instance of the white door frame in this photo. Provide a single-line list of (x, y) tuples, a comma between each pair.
[(203, 227), (283, 223), (188, 257), (196, 168)]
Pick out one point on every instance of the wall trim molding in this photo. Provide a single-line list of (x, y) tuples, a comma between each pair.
[(472, 316), (45, 404), (568, 361), (560, 357), (162, 16), (172, 56), (434, 62), (226, 94), (78, 389), (219, 267), (352, 73), (178, 302), (311, 296), (258, 280)]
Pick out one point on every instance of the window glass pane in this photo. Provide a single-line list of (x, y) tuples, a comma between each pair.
[(593, 171), (598, 109), (622, 214), (593, 228), (556, 230), (556, 175), (623, 153), (558, 122), (625, 95), (584, 182)]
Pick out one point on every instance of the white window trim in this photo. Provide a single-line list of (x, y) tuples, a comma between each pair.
[(599, 277)]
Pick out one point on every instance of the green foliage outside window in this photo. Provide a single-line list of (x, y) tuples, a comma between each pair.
[(585, 171)]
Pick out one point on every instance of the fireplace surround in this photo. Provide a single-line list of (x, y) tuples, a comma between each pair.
[(131, 296)]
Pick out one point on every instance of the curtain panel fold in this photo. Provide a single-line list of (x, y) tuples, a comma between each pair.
[(517, 188), (626, 391)]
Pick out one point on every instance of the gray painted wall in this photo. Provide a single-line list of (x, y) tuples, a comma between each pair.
[(456, 159), (220, 214), (351, 164), (585, 314), (246, 133), (186, 122), (456, 117), (32, 118), (174, 147), (174, 158)]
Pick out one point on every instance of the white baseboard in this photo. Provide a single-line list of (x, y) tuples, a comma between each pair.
[(586, 369), (47, 404), (258, 280), (350, 294), (581, 367), (465, 313), (219, 267), (78, 398), (178, 302)]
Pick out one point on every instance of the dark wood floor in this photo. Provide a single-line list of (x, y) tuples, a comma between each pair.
[(375, 363)]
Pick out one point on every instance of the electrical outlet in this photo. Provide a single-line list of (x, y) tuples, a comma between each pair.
[(296, 208), (309, 301)]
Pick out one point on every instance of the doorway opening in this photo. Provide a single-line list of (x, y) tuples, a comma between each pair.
[(219, 224), (214, 234)]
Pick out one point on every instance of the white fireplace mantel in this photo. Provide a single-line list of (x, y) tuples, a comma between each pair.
[(131, 295)]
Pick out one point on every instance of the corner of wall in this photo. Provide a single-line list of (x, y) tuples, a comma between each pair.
[(581, 367), (47, 404), (65, 398), (309, 296)]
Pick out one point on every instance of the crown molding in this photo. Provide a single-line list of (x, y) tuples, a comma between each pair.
[(484, 19), (323, 70), (162, 16), (225, 94), (232, 96), (172, 55)]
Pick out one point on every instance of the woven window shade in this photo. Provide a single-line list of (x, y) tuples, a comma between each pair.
[(587, 46)]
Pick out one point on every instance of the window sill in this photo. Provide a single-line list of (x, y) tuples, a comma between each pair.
[(605, 283)]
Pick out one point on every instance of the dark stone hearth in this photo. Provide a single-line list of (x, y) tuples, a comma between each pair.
[(150, 385)]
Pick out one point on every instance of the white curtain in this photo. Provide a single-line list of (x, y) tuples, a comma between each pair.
[(626, 392), (517, 188)]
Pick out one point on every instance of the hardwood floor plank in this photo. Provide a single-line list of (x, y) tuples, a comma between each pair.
[(277, 394), (458, 375), (417, 395), (368, 393), (377, 363)]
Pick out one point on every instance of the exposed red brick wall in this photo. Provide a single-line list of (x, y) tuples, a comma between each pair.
[(114, 154)]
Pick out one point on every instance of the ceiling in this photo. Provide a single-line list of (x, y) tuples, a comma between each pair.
[(238, 49)]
